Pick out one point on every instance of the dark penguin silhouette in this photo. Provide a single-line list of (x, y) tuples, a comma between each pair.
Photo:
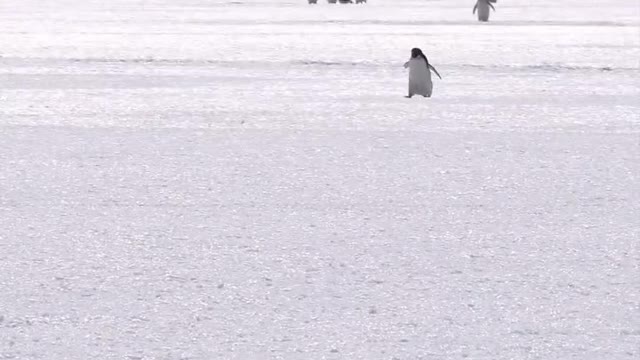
[(482, 6)]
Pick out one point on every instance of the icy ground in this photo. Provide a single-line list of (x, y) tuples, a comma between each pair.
[(207, 179)]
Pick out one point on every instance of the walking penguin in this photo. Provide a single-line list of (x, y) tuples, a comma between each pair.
[(420, 74), (482, 6)]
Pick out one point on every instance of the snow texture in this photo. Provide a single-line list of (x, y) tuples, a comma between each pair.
[(207, 179)]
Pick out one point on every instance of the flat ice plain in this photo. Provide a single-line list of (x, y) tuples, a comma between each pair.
[(207, 179)]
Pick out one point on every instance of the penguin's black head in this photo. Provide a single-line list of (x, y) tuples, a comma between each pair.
[(415, 52)]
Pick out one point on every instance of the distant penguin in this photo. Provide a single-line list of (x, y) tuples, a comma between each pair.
[(482, 6), (420, 74)]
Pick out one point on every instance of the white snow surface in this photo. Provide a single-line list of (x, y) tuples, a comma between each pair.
[(208, 179)]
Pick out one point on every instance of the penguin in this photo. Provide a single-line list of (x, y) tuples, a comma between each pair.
[(420, 74), (483, 9)]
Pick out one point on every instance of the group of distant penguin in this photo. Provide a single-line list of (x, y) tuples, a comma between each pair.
[(339, 1), (482, 6), (420, 69)]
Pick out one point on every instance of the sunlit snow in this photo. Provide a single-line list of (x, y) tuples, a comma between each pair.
[(208, 179)]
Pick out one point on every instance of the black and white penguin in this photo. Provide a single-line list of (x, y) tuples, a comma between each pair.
[(482, 6), (420, 82)]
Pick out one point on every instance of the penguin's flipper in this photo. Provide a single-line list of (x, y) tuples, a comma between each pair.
[(435, 71), (491, 6), (475, 7)]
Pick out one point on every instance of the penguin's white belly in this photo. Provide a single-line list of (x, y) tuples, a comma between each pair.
[(419, 78), (483, 11), (420, 87)]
